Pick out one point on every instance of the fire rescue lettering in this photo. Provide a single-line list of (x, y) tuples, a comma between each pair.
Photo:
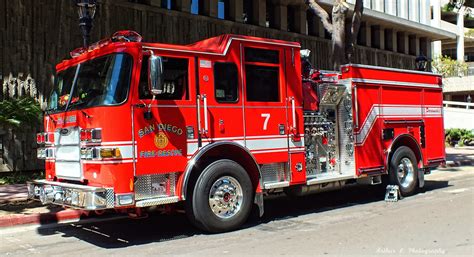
[(160, 127), (160, 153)]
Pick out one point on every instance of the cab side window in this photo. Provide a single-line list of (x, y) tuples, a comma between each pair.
[(176, 79), (262, 75), (226, 82)]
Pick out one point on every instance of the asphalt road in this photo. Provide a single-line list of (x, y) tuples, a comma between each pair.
[(439, 221)]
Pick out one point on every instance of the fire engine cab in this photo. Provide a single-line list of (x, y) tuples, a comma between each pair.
[(222, 122)]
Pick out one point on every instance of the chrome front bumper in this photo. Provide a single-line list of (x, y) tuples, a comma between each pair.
[(72, 195)]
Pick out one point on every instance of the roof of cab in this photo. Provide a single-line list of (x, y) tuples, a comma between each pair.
[(212, 46), (219, 45)]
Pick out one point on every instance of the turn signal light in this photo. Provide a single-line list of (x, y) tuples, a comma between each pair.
[(110, 153)]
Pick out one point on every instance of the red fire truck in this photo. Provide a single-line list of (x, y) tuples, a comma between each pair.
[(222, 122)]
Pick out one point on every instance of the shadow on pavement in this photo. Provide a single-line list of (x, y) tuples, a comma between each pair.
[(160, 227)]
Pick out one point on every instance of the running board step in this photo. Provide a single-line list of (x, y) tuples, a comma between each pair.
[(328, 178), (157, 201), (276, 185)]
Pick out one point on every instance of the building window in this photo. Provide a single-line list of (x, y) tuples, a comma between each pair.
[(195, 6), (226, 82), (176, 79), (248, 11), (262, 75), (221, 5)]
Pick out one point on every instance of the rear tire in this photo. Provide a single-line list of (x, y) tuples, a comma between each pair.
[(222, 197), (404, 170)]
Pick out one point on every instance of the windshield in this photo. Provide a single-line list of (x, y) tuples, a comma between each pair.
[(101, 81)]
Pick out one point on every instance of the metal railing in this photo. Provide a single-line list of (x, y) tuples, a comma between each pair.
[(456, 104)]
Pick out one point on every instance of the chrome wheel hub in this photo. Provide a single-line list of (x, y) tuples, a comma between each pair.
[(405, 172), (225, 197)]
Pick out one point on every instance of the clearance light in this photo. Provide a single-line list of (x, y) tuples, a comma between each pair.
[(45, 138), (91, 135), (40, 138)]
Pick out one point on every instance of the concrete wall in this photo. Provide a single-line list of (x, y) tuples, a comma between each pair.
[(458, 118), (37, 34)]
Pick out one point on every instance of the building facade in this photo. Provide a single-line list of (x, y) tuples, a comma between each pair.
[(37, 34)]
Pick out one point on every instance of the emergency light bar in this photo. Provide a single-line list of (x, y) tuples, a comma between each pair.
[(119, 36)]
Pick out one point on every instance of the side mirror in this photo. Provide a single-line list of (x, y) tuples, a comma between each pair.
[(155, 74)]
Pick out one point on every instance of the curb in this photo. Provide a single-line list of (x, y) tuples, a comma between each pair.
[(457, 163), (40, 218)]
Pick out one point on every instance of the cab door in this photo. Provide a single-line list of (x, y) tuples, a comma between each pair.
[(161, 137), (266, 119), (219, 101)]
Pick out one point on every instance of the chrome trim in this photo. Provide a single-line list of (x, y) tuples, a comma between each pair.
[(134, 143), (203, 151), (243, 92), (356, 108), (157, 201), (198, 105), (206, 125), (293, 111), (71, 195), (322, 179), (276, 185), (394, 83)]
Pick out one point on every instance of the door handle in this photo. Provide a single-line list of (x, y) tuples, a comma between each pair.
[(206, 126), (293, 114)]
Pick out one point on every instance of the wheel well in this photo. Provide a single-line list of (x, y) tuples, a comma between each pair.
[(408, 141), (229, 151)]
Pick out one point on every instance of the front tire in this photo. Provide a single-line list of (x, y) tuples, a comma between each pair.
[(222, 197), (404, 170)]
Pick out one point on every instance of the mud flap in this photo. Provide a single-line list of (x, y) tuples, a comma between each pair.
[(258, 200), (421, 178)]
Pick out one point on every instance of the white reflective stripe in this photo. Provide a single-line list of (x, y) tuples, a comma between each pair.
[(394, 82), (270, 151), (237, 138), (257, 145), (267, 143), (117, 143), (297, 143), (107, 161), (393, 111), (397, 110)]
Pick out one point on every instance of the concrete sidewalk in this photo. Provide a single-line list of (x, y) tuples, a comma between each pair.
[(13, 193), (15, 209)]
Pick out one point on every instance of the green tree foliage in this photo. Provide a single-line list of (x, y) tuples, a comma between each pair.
[(459, 136), (448, 67), (19, 112)]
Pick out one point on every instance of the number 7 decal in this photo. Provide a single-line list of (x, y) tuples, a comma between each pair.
[(267, 118)]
